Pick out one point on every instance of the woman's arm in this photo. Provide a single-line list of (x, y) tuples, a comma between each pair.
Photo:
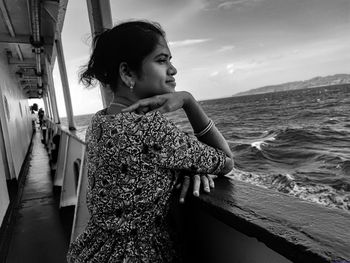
[(199, 120)]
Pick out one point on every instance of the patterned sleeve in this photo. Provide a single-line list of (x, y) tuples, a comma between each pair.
[(168, 147)]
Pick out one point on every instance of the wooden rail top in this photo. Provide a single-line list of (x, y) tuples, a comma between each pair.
[(299, 230)]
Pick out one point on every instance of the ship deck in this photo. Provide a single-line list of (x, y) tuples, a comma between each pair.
[(39, 231)]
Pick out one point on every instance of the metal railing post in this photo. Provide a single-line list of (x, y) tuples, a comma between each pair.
[(46, 106), (51, 92), (100, 18), (65, 83)]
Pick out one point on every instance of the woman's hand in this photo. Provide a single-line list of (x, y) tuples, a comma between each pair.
[(164, 103), (206, 181)]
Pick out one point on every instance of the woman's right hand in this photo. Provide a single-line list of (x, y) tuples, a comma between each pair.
[(164, 103), (204, 181)]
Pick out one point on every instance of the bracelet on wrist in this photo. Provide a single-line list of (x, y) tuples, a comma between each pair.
[(205, 130)]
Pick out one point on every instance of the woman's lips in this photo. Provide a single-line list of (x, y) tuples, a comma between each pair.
[(171, 82)]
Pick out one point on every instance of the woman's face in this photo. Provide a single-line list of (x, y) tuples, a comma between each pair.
[(157, 76)]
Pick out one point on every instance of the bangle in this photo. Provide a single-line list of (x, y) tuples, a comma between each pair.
[(205, 130)]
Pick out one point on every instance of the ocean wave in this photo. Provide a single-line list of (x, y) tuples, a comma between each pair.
[(318, 193), (263, 142), (345, 166), (297, 135), (331, 121)]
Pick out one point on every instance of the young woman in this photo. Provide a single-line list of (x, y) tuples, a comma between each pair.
[(134, 154)]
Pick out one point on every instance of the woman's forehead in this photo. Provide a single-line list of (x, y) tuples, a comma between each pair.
[(161, 47)]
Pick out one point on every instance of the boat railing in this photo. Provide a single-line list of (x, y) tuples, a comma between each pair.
[(69, 173), (237, 221)]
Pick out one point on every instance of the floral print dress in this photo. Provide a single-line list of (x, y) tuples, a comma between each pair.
[(133, 162)]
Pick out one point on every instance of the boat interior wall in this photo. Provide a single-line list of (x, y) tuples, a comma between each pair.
[(15, 119), (4, 166), (4, 196)]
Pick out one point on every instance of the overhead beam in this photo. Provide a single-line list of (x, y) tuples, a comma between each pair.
[(50, 14), (28, 77), (6, 18), (18, 39), (19, 52), (22, 39), (24, 62), (9, 26)]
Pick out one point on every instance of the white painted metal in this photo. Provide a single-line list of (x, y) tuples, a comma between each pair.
[(47, 113), (69, 186), (49, 135), (51, 91), (81, 213), (100, 18), (4, 197), (61, 160), (4, 172), (4, 166), (16, 127), (49, 104), (65, 83)]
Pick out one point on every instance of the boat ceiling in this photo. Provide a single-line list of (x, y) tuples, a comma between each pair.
[(20, 20)]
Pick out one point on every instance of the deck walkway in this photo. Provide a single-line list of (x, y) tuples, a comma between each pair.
[(38, 232)]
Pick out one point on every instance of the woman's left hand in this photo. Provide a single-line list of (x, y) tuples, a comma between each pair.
[(206, 181), (167, 102)]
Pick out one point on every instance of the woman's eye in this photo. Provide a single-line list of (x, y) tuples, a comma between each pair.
[(162, 60)]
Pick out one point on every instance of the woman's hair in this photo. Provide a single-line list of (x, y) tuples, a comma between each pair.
[(128, 42)]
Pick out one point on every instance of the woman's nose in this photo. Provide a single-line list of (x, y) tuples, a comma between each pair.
[(172, 70)]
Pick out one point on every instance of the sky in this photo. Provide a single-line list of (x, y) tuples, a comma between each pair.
[(222, 47)]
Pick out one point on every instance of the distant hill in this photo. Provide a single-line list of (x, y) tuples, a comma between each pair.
[(311, 83)]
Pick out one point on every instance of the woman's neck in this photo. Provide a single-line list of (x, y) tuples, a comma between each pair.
[(126, 101), (121, 100), (124, 96)]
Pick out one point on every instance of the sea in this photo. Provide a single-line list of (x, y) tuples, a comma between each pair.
[(296, 142)]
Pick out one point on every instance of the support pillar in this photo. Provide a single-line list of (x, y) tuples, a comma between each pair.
[(100, 18), (51, 92), (65, 84), (49, 105), (47, 113)]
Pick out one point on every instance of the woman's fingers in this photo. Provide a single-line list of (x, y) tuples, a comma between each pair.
[(148, 103), (134, 106), (211, 180), (164, 103), (205, 180), (184, 189), (196, 184), (205, 183)]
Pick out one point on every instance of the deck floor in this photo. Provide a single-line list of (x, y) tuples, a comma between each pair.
[(39, 233)]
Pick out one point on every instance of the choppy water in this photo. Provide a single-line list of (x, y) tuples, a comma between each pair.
[(296, 142)]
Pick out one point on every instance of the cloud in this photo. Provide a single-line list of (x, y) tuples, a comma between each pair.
[(215, 73), (243, 66), (230, 4), (230, 68), (226, 48), (188, 42)]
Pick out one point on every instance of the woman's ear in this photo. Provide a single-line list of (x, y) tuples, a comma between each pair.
[(126, 74)]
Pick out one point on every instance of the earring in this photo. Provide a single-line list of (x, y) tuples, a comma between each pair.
[(132, 87)]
